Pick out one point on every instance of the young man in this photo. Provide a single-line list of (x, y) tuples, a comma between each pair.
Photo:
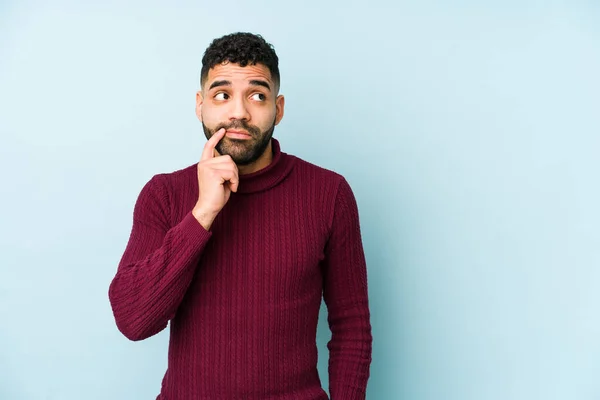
[(237, 250)]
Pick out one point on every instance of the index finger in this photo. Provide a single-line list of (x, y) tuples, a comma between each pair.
[(209, 147)]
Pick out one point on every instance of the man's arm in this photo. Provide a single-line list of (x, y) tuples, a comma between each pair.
[(159, 262), (157, 267), (346, 296)]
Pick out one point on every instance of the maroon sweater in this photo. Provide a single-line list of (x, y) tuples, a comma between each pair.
[(243, 298)]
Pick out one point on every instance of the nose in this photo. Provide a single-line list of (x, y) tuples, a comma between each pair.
[(239, 109)]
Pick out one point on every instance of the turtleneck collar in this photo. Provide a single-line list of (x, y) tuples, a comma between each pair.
[(271, 175)]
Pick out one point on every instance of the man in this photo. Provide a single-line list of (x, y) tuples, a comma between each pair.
[(237, 250)]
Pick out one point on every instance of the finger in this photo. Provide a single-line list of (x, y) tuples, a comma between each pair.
[(228, 174), (209, 147), (234, 183), (225, 175), (223, 167), (221, 162), (226, 159), (231, 186)]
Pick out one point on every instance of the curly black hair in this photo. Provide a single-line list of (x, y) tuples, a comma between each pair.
[(241, 48)]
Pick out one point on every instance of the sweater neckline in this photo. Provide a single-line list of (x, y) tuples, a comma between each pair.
[(271, 175)]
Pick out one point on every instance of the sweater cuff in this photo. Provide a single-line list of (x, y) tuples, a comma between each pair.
[(194, 231)]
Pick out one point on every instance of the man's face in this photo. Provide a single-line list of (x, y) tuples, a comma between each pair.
[(244, 101)]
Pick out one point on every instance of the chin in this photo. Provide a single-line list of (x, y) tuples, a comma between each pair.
[(240, 157)]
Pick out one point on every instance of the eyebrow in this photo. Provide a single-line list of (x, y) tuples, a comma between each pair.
[(219, 83), (253, 82), (256, 82)]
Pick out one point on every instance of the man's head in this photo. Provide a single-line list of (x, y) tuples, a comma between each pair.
[(239, 92)]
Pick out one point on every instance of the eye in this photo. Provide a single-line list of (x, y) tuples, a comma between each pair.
[(221, 96), (259, 97)]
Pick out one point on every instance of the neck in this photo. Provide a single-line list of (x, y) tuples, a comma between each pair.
[(263, 161)]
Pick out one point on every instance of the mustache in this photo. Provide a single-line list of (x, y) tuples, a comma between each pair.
[(239, 124)]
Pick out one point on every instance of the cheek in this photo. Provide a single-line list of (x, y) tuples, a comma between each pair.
[(209, 116), (267, 118)]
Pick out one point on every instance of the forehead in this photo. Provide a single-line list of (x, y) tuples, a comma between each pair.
[(236, 74)]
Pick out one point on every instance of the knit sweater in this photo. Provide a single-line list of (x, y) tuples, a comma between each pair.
[(243, 298)]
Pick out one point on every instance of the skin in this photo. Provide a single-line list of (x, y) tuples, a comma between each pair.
[(233, 97)]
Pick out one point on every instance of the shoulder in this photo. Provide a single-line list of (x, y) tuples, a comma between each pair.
[(163, 186), (170, 192), (174, 179), (182, 173), (316, 174), (329, 188), (331, 184)]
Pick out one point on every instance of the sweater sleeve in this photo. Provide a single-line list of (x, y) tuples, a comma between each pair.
[(346, 296), (157, 266)]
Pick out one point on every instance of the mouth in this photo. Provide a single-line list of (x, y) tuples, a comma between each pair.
[(237, 134)]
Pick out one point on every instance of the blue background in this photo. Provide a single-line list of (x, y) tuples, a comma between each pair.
[(469, 131)]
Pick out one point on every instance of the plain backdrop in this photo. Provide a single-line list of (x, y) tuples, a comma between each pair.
[(468, 130)]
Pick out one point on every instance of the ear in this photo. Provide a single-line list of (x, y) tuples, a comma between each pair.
[(199, 100), (279, 106)]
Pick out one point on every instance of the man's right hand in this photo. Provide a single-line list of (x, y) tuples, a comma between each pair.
[(217, 178)]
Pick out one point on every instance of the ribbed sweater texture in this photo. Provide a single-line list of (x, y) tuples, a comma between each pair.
[(243, 298)]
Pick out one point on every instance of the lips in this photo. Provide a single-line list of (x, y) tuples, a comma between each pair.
[(237, 134)]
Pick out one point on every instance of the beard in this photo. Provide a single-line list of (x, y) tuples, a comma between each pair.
[(242, 151)]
